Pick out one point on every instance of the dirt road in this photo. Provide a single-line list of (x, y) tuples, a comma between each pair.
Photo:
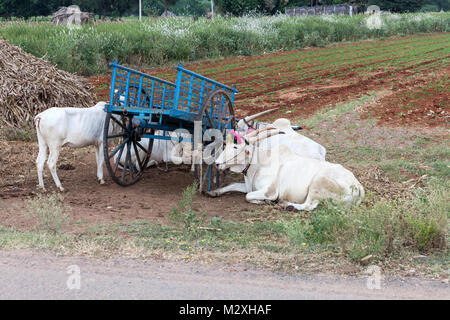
[(25, 275)]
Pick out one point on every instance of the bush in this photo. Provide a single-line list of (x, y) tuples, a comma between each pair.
[(379, 226), (26, 134), (48, 211), (154, 41), (184, 214)]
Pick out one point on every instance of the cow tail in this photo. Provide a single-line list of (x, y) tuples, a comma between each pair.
[(37, 122)]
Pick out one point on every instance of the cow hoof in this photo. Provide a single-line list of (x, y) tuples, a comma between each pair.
[(257, 201), (278, 207), (61, 189), (212, 194), (291, 208)]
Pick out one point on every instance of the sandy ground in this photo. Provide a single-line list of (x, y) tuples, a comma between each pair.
[(149, 199)]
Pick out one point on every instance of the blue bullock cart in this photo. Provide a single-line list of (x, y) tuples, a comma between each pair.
[(143, 106)]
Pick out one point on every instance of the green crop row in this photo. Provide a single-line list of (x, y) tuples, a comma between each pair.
[(154, 42), (337, 63)]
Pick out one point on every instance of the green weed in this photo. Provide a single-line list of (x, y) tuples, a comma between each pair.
[(26, 134), (184, 214), (48, 211)]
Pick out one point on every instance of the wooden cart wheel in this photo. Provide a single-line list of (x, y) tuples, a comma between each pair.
[(126, 155), (218, 111)]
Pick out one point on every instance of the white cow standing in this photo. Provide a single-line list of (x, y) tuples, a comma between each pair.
[(73, 127), (280, 175)]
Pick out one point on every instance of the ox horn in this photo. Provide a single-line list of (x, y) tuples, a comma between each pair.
[(256, 115), (264, 135), (258, 131)]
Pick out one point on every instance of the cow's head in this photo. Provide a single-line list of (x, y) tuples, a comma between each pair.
[(239, 153), (234, 154)]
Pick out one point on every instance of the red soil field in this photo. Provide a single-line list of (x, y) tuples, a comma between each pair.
[(420, 100), (411, 72), (304, 81)]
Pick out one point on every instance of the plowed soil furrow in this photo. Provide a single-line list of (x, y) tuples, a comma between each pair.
[(340, 66), (304, 81), (246, 81), (237, 64)]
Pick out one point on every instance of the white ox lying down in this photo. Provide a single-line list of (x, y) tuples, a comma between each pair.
[(294, 141), (282, 175), (248, 123), (162, 151), (170, 151), (297, 143), (74, 127)]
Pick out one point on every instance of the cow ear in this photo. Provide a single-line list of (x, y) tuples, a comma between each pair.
[(230, 138)]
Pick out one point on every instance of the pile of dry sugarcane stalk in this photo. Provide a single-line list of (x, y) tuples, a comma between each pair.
[(29, 85)]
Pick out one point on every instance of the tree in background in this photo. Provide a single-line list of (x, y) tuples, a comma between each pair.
[(179, 7), (30, 8), (435, 5), (152, 7), (238, 8), (114, 7), (191, 7), (272, 6), (88, 5), (25, 8), (398, 5), (168, 4), (241, 7), (387, 5), (303, 3)]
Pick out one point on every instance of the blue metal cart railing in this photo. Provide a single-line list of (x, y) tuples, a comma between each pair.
[(143, 108)]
